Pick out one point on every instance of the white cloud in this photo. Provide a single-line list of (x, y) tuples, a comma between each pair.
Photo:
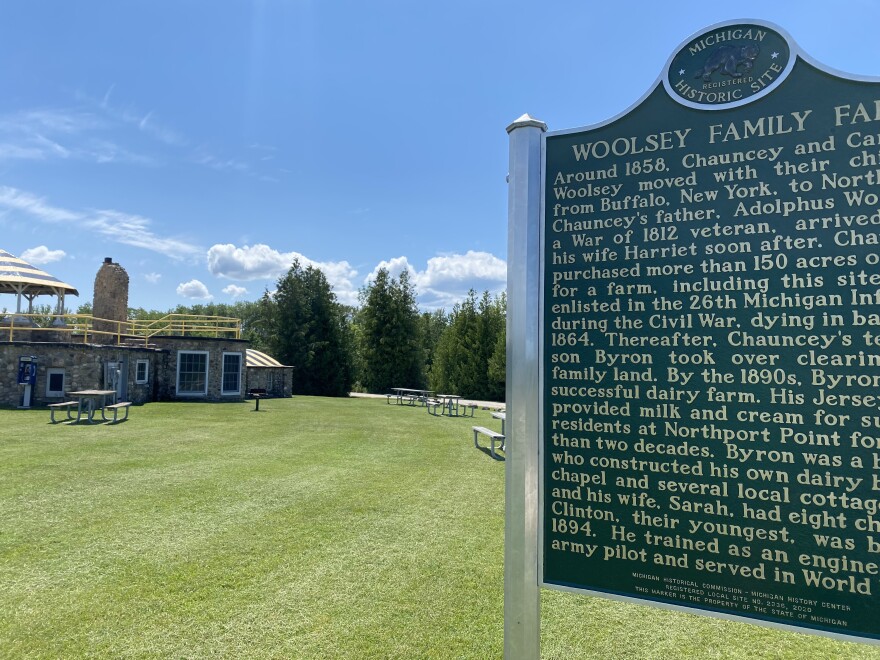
[(473, 266), (153, 278), (42, 255), (394, 267), (341, 276), (260, 261), (445, 281), (249, 262), (194, 290), (234, 291), (448, 278)]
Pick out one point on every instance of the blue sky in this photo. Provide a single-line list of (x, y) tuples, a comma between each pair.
[(203, 145)]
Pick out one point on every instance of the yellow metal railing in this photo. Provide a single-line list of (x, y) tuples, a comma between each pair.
[(88, 329), (187, 325)]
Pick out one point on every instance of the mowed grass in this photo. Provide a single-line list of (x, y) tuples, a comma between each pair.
[(315, 528)]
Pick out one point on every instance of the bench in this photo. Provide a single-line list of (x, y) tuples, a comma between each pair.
[(469, 406), (493, 436), (115, 407), (66, 404), (402, 399), (502, 416), (433, 404)]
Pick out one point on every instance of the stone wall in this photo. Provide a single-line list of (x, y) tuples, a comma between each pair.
[(167, 382), (277, 381), (84, 368)]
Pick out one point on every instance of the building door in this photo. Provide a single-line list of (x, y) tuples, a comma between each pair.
[(116, 377)]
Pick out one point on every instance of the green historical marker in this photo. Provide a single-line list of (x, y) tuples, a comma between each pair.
[(711, 341)]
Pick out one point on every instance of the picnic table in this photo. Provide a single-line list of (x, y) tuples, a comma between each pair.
[(448, 404), (87, 402), (408, 395)]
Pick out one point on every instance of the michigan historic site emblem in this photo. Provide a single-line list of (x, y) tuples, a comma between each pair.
[(728, 65)]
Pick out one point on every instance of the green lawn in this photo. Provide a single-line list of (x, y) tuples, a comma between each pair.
[(315, 528)]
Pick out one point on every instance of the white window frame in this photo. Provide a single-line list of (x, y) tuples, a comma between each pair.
[(54, 371), (204, 392), (146, 378), (223, 391)]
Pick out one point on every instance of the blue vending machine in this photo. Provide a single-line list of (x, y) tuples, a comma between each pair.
[(27, 376)]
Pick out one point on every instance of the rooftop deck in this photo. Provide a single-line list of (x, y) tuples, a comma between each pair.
[(84, 328)]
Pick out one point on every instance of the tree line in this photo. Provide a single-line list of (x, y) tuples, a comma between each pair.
[(384, 342)]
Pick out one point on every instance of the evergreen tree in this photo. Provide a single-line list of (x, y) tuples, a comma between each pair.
[(456, 364), (260, 326), (389, 334), (497, 360), (466, 361), (307, 332), (432, 326)]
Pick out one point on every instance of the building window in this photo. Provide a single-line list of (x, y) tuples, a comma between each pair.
[(142, 372), (192, 373), (231, 373), (54, 382)]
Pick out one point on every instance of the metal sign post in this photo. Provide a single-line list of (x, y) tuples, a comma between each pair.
[(522, 607)]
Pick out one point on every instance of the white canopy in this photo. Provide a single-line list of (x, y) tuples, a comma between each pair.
[(24, 280)]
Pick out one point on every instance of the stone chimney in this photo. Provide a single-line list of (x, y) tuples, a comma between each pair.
[(111, 299)]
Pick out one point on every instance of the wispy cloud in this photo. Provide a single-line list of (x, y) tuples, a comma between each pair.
[(55, 121), (64, 134), (134, 230), (18, 200), (104, 131), (155, 129), (221, 164), (125, 228)]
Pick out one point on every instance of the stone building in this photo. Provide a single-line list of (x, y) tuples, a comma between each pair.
[(192, 358), (266, 373)]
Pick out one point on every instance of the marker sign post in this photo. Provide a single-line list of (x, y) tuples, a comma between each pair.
[(711, 342)]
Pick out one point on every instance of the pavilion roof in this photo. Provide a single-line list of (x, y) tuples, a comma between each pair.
[(254, 358), (19, 277)]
